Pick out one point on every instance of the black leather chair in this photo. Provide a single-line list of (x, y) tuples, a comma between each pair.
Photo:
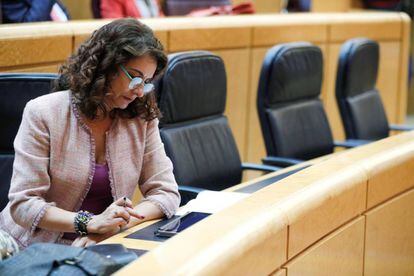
[(6, 170), (358, 100), (292, 118), (15, 91), (195, 132)]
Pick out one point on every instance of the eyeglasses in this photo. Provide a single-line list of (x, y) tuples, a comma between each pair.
[(138, 81)]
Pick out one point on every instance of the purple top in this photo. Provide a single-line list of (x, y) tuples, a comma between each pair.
[(99, 196)]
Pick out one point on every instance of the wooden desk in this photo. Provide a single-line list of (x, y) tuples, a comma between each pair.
[(148, 245), (350, 214)]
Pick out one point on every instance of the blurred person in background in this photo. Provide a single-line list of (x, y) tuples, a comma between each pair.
[(130, 8), (17, 11)]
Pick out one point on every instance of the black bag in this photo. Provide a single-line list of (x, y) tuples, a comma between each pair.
[(57, 259)]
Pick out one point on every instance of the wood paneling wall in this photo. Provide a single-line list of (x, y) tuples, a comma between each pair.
[(242, 42)]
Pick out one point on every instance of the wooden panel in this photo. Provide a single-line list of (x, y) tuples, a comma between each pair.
[(279, 272), (402, 67), (34, 44), (330, 6), (388, 78), (341, 253), (255, 143), (390, 173), (390, 238), (237, 69), (326, 207), (324, 92), (35, 30), (376, 28), (29, 51), (264, 6), (53, 68), (330, 100), (208, 39), (80, 38), (79, 9), (357, 5), (251, 261), (83, 29), (410, 98), (294, 31), (163, 37)]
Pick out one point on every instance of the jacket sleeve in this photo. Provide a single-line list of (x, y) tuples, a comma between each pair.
[(30, 181), (27, 11), (157, 182)]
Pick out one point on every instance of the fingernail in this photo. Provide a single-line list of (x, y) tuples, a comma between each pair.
[(141, 217)]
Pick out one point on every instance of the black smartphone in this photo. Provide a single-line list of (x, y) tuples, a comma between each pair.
[(179, 224)]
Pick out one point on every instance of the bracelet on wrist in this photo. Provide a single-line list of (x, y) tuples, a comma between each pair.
[(81, 221)]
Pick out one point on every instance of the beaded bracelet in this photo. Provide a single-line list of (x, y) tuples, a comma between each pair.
[(81, 221)]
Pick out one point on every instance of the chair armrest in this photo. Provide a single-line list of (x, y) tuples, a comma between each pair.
[(351, 143), (188, 193), (281, 161), (401, 127), (259, 167)]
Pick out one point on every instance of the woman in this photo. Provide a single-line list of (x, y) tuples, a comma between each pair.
[(80, 153)]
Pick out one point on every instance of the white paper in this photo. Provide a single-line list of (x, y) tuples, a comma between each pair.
[(211, 202)]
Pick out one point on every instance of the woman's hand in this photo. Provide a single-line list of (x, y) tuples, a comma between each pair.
[(114, 218)]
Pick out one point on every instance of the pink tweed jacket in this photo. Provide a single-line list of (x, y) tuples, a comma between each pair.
[(55, 160)]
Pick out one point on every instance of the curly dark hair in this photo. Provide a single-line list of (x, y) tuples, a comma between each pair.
[(87, 73)]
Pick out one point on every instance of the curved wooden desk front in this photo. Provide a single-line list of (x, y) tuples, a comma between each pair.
[(350, 214)]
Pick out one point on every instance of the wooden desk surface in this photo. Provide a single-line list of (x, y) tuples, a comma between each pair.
[(148, 245), (320, 219)]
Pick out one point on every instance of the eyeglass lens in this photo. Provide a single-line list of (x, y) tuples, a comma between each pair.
[(137, 81)]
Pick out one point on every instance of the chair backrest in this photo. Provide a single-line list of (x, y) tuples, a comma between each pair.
[(359, 102), (15, 91), (6, 171), (293, 121), (196, 134)]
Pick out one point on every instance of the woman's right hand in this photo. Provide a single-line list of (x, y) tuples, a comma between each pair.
[(114, 218)]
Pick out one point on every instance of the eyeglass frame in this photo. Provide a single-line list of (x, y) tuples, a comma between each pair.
[(142, 83)]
